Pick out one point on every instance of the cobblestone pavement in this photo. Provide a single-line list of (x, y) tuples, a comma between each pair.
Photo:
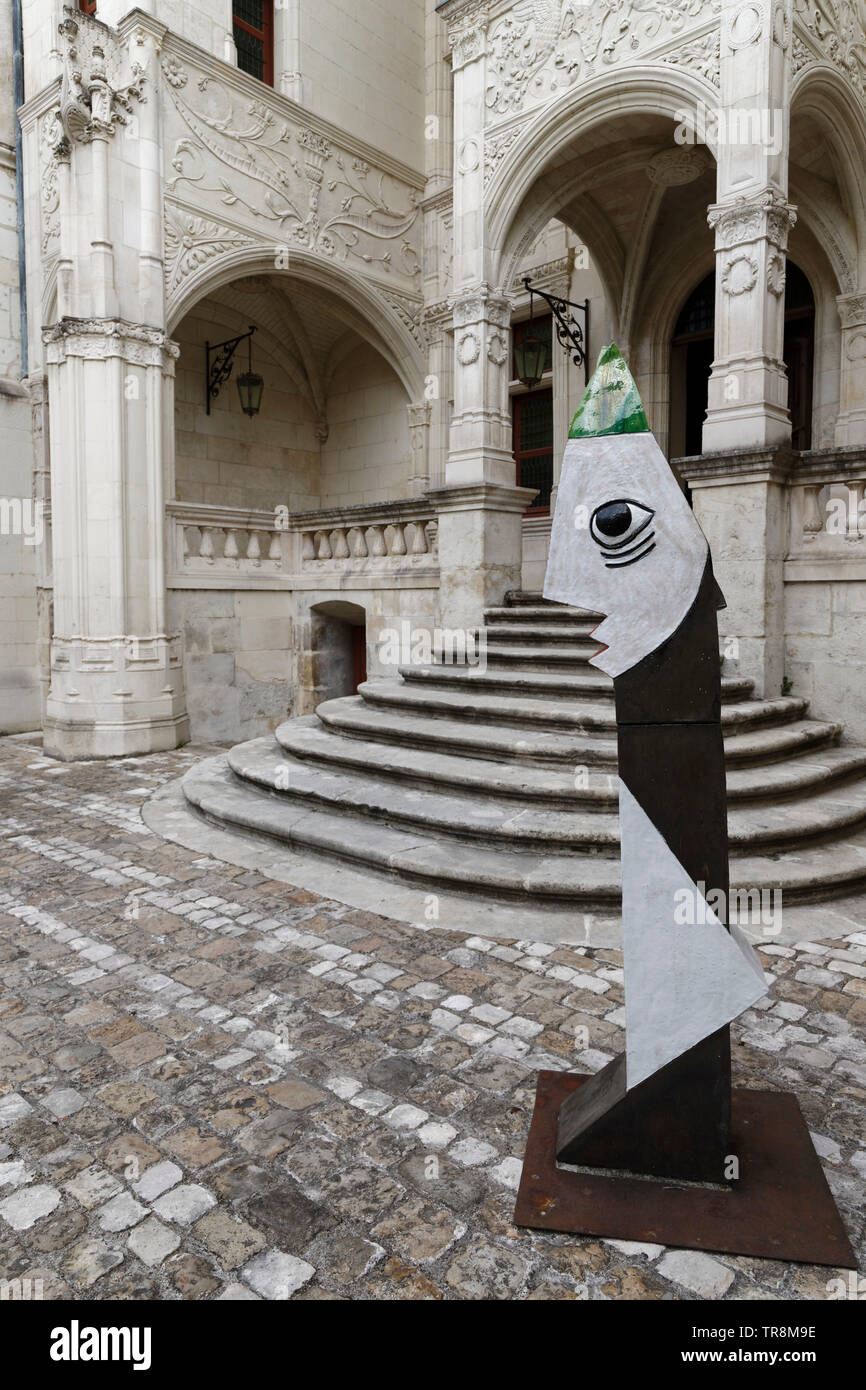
[(213, 1086)]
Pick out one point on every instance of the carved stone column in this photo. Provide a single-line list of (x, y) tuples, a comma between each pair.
[(116, 674), (851, 423), (748, 389)]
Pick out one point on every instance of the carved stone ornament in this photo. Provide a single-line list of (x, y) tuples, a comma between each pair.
[(468, 349), (541, 47), (289, 183), (671, 168), (93, 99), (776, 275), (96, 340), (740, 275), (852, 309), (749, 219), (836, 30), (466, 33), (497, 350), (745, 25)]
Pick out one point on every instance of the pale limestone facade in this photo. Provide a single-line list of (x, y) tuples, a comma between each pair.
[(373, 214)]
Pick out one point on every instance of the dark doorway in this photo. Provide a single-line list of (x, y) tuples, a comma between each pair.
[(692, 358)]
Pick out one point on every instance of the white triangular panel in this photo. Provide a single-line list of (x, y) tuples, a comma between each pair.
[(682, 981)]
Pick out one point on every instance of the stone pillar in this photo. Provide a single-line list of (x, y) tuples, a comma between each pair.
[(851, 422), (480, 548), (748, 389), (741, 502), (419, 438), (479, 527), (116, 674)]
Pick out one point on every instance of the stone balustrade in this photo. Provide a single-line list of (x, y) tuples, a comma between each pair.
[(827, 515), (369, 537), (221, 547)]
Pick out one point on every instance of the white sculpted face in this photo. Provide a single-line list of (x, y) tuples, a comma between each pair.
[(624, 543)]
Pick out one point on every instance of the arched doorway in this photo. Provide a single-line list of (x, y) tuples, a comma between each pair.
[(692, 359)]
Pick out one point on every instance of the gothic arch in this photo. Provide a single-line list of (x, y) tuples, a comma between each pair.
[(377, 314), (646, 90)]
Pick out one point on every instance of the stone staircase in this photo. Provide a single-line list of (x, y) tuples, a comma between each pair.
[(500, 784)]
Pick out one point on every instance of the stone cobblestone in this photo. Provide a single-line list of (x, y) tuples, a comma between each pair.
[(214, 1086)]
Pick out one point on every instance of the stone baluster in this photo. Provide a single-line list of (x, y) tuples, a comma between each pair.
[(339, 546), (206, 546), (323, 546), (230, 549), (275, 549), (357, 543), (376, 543), (813, 517), (254, 550), (418, 544), (308, 545), (855, 499), (398, 539)]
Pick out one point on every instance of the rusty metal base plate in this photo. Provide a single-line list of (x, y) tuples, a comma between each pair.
[(780, 1208)]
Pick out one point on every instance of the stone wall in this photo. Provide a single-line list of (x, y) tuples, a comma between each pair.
[(366, 457), (238, 660)]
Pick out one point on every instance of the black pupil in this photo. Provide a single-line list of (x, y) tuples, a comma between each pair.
[(614, 519)]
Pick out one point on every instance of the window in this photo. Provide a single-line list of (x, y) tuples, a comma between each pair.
[(253, 24), (532, 419), (87, 6), (532, 416)]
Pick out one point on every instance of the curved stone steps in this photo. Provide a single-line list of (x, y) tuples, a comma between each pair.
[(535, 635), (498, 785), (541, 612), (589, 882), (307, 740), (353, 716), (565, 657), (520, 711), (555, 685), (522, 824)]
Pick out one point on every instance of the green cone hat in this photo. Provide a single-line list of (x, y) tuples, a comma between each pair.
[(611, 403)]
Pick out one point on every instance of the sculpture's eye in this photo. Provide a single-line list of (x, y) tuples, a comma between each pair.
[(620, 527)]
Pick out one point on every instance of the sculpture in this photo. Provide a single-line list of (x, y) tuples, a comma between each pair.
[(625, 542)]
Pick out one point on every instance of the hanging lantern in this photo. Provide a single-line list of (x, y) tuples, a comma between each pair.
[(250, 384), (530, 356), (250, 387)]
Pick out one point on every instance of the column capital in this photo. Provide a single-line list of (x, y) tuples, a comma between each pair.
[(97, 339), (480, 304), (763, 216), (467, 30), (852, 309)]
